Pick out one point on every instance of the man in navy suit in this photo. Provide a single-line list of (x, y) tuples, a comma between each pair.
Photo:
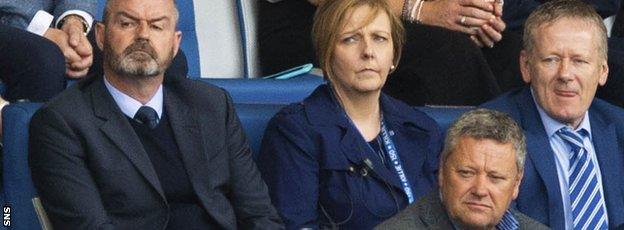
[(129, 150), (575, 164)]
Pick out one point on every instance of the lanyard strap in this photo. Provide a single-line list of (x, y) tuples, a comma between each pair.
[(396, 161)]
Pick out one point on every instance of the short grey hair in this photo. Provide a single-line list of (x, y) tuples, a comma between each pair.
[(106, 15), (486, 124), (555, 10)]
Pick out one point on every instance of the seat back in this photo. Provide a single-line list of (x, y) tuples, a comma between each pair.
[(18, 189)]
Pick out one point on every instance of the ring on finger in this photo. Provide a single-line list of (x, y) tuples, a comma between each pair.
[(462, 20)]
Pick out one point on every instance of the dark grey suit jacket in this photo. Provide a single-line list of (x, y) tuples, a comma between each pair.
[(92, 172), (19, 13), (428, 213)]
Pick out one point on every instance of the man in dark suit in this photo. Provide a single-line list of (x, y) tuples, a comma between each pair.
[(575, 165), (127, 151), (480, 171)]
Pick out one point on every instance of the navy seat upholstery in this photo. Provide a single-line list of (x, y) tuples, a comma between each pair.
[(271, 91), (18, 189)]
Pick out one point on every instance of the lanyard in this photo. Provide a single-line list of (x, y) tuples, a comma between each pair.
[(396, 162)]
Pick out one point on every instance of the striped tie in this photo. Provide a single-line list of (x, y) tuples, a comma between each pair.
[(588, 207)]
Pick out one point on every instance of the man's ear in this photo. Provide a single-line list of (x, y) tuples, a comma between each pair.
[(524, 66), (99, 34), (176, 42), (604, 73), (517, 185)]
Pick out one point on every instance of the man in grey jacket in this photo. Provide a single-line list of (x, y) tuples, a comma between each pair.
[(481, 168)]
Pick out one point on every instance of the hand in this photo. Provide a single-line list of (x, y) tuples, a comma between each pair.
[(466, 16), (491, 32), (78, 41)]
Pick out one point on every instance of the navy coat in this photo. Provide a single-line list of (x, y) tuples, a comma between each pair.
[(309, 148), (540, 196)]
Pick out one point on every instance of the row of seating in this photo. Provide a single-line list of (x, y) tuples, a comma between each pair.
[(256, 101)]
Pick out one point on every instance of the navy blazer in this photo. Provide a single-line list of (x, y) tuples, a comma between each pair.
[(309, 147), (92, 172), (540, 195)]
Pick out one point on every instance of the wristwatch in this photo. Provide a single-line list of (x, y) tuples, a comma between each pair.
[(85, 26)]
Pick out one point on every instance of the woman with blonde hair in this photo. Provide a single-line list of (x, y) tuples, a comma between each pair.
[(350, 156)]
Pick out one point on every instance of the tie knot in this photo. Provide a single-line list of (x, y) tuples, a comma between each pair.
[(147, 116), (573, 138)]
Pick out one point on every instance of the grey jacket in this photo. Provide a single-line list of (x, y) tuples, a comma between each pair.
[(19, 13), (428, 213)]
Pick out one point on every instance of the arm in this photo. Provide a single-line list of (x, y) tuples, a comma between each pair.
[(250, 199), (60, 174), (291, 171)]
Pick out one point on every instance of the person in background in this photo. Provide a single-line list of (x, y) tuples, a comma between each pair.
[(480, 172), (349, 156), (575, 164), (36, 57), (443, 63), (128, 150)]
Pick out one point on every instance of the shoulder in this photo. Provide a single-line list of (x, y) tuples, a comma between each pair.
[(527, 222), (427, 212), (405, 114), (197, 92), (607, 111)]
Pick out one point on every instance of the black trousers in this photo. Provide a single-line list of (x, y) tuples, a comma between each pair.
[(31, 66), (438, 66)]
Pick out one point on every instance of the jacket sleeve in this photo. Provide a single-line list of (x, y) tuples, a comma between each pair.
[(60, 174), (291, 170), (60, 6), (250, 197)]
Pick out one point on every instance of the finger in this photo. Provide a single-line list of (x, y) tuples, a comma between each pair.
[(494, 35), (471, 22), (498, 8), (476, 13), (84, 63), (498, 24), (485, 5), (484, 39), (76, 73), (70, 55), (476, 41), (75, 35), (84, 47), (465, 29)]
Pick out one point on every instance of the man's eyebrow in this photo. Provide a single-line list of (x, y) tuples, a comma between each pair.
[(127, 15)]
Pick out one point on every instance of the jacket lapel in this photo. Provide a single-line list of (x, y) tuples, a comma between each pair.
[(540, 153), (610, 160), (117, 128), (188, 136)]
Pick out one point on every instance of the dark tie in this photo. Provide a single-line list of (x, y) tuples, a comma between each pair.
[(588, 205), (147, 116)]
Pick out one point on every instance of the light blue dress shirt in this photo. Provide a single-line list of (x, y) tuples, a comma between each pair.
[(129, 106), (562, 152)]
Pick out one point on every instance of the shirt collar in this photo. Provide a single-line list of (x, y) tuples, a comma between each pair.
[(552, 126), (129, 106)]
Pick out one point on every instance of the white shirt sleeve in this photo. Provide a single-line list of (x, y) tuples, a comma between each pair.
[(86, 16), (40, 22)]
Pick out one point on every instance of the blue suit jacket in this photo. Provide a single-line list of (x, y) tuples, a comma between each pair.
[(19, 13), (309, 147), (540, 196)]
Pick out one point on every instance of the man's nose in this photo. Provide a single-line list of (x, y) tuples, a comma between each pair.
[(480, 186), (143, 30), (565, 70)]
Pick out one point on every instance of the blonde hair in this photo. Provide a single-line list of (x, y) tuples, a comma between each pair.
[(552, 11), (329, 20)]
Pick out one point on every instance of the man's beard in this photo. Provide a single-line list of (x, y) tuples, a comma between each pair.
[(139, 59)]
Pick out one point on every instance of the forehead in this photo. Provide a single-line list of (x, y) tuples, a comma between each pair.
[(365, 16), (570, 34), (144, 9), (486, 154)]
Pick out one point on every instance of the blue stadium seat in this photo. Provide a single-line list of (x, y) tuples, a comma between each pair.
[(18, 189), (269, 91)]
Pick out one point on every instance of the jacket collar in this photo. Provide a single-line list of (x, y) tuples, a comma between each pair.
[(319, 113)]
